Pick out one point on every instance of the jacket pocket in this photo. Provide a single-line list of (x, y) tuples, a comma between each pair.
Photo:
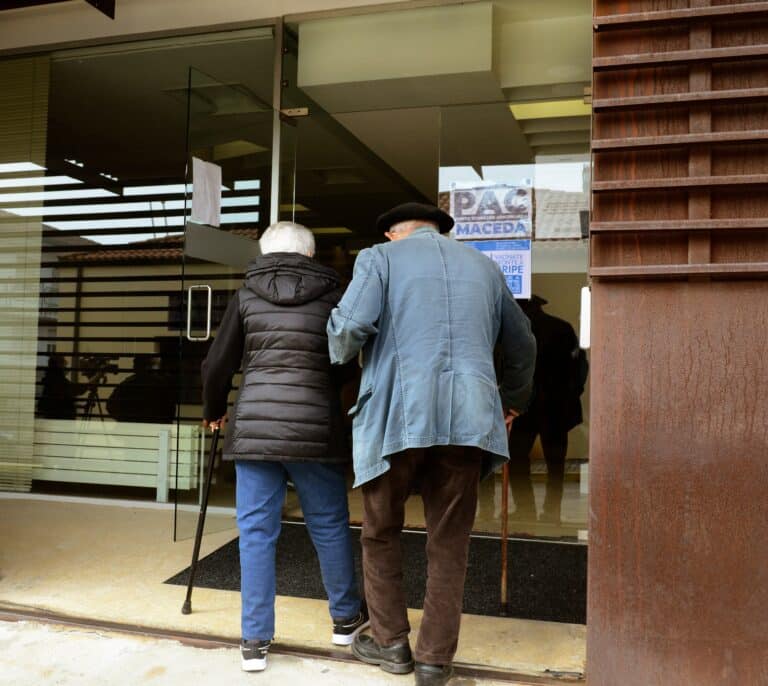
[(362, 399)]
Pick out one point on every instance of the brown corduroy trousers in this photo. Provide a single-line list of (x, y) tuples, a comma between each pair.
[(447, 478)]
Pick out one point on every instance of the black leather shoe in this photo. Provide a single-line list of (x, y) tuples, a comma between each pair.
[(396, 659), (432, 675)]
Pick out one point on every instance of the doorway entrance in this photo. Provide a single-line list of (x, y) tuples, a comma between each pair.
[(348, 154), (129, 286)]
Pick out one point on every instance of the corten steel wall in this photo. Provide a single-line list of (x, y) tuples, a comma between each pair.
[(678, 561)]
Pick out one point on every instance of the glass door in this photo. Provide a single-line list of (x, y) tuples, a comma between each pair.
[(350, 165), (227, 205)]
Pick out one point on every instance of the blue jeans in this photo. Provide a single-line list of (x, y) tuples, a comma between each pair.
[(322, 491)]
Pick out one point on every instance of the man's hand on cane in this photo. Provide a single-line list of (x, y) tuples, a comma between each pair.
[(215, 423), (509, 418)]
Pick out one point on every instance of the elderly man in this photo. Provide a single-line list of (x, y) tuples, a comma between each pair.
[(426, 312)]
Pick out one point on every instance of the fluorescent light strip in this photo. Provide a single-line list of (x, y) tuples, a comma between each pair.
[(548, 109), (137, 223), (243, 201), (248, 185), (240, 218), (127, 240), (168, 189), (158, 221), (123, 207), (44, 196), (33, 181), (53, 210), (11, 167)]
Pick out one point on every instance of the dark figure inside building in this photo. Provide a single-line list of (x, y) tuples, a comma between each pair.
[(145, 396), (555, 409), (58, 396)]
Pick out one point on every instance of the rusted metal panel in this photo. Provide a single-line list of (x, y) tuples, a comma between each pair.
[(729, 96), (684, 225), (669, 270), (680, 181), (701, 13), (652, 59), (710, 137), (678, 568), (678, 580)]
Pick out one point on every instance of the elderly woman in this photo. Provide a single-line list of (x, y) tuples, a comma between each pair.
[(286, 425)]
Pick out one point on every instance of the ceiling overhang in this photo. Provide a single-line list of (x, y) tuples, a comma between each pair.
[(104, 6)]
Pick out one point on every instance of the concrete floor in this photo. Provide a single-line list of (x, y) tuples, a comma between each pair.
[(34, 654), (108, 562)]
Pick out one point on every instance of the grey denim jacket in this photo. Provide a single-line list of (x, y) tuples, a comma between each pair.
[(427, 313)]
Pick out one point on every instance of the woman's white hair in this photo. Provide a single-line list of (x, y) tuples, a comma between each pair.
[(288, 237)]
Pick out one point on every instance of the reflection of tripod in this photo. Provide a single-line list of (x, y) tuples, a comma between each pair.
[(96, 367), (93, 401)]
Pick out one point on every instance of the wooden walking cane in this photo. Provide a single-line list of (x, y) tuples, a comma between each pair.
[(504, 534), (186, 608)]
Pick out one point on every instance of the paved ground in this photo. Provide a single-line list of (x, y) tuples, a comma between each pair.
[(108, 563), (34, 654)]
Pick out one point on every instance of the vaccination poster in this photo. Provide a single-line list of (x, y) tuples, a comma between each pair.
[(492, 212), (514, 258)]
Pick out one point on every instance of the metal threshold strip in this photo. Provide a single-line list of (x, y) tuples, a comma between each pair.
[(19, 614)]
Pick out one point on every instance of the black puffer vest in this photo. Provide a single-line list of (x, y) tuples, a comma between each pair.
[(288, 407)]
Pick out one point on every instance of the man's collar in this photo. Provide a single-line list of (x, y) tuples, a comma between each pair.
[(421, 230)]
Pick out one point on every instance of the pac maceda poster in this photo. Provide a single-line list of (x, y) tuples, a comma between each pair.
[(514, 258), (497, 221), (500, 211)]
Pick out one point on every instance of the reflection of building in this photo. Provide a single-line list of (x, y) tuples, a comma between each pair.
[(141, 312), (557, 213)]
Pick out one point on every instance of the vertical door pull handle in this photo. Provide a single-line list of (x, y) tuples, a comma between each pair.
[(191, 290)]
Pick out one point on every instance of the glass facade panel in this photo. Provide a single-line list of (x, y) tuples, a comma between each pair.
[(113, 191), (100, 248), (108, 366), (230, 127), (500, 123), (23, 137), (526, 206), (92, 202)]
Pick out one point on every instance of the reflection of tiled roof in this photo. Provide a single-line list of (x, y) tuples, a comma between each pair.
[(168, 248), (557, 213)]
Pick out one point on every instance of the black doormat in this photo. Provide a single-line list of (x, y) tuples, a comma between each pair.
[(546, 581)]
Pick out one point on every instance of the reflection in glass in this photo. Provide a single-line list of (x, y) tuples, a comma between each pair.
[(95, 213), (555, 409), (548, 451)]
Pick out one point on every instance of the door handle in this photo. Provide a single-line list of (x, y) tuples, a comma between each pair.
[(191, 290)]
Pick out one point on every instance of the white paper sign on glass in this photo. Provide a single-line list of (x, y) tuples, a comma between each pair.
[(585, 318), (206, 193), (514, 258)]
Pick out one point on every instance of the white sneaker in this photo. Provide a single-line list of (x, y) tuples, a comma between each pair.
[(253, 655), (345, 630)]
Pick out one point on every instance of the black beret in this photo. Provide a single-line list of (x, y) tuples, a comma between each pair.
[(414, 210)]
